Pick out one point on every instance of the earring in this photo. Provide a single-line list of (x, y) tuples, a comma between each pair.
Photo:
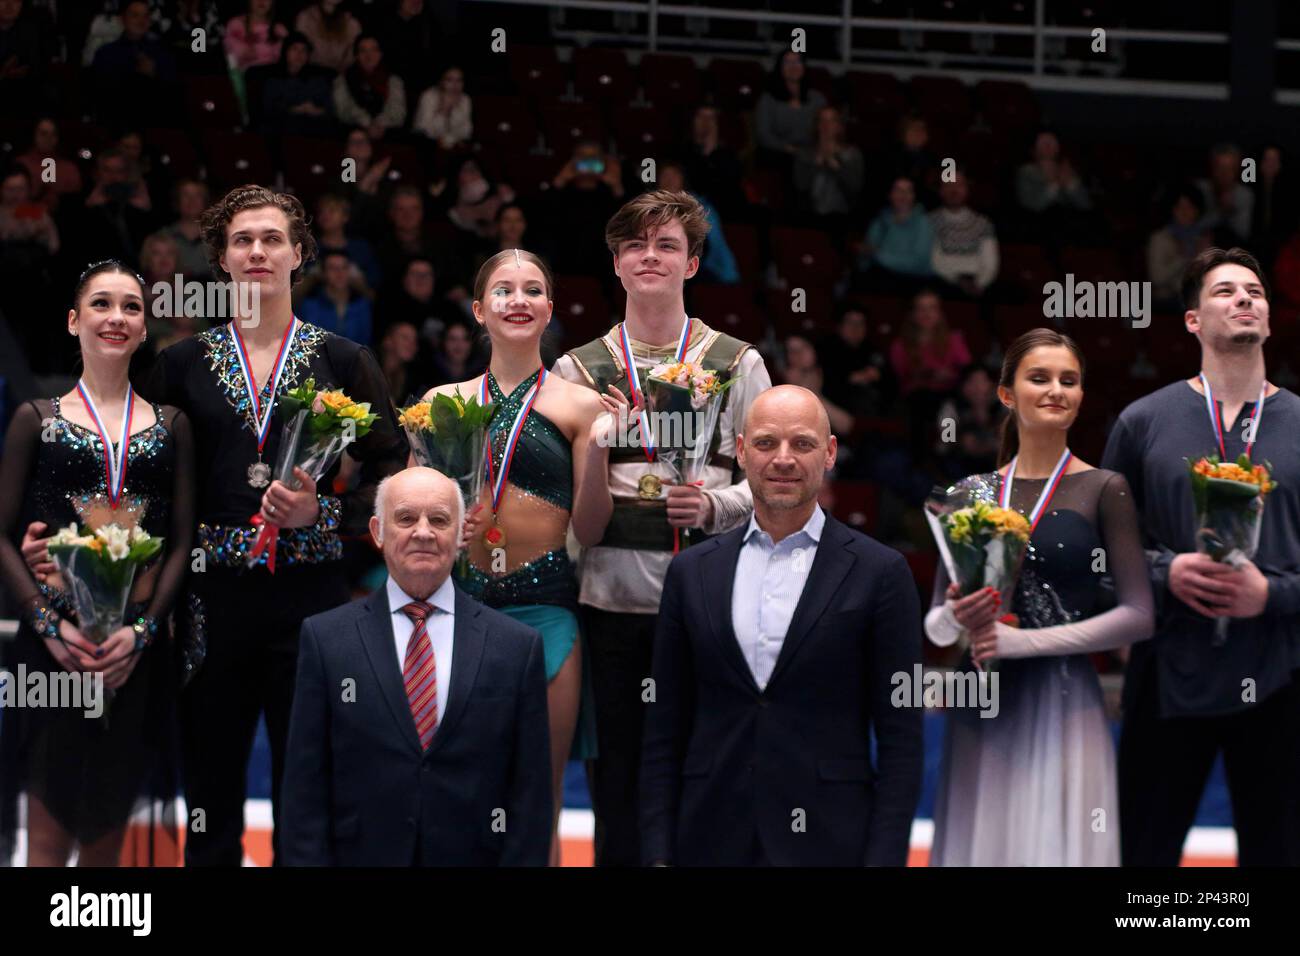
[(72, 332)]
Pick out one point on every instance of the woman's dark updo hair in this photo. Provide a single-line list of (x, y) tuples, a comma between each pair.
[(101, 268), (1033, 339)]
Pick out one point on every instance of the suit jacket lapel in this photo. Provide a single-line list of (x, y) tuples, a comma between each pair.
[(833, 562), (719, 582), (468, 641), (376, 628)]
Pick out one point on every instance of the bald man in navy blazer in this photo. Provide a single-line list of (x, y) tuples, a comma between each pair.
[(418, 735), (774, 656)]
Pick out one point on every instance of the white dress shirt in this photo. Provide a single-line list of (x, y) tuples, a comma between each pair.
[(439, 625), (769, 581)]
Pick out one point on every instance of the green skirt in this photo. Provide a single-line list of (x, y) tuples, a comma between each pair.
[(559, 629)]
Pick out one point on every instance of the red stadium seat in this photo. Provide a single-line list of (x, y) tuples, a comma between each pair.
[(236, 158), (669, 80), (538, 73), (804, 256), (857, 503), (1026, 267), (728, 308), (875, 95), (643, 131), (942, 100), (1008, 106), (885, 316), (504, 122), (581, 307), (742, 238), (210, 102), (566, 124), (173, 147), (736, 83), (602, 75), (311, 166), (811, 323)]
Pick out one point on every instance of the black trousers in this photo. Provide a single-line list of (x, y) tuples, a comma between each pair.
[(620, 650), (1165, 762), (253, 622)]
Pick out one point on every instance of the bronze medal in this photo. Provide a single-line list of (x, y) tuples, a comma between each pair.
[(649, 486)]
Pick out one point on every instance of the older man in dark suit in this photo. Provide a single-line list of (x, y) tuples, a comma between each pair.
[(419, 732), (774, 653)]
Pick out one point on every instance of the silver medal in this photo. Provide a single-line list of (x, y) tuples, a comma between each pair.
[(259, 474)]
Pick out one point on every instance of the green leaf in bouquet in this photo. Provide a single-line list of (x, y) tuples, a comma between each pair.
[(1227, 489)]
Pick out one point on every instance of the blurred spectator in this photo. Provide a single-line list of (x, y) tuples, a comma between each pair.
[(416, 301), (65, 172), (136, 73), (399, 357), (26, 228), (411, 40), (713, 167), (1229, 203), (457, 360), (159, 263), (1175, 244), (786, 115), (27, 47), (254, 38), (829, 173), (297, 95), (332, 214), (1276, 204), (114, 222), (178, 22), (189, 199), (369, 213), (927, 355), (965, 245), (473, 201), (800, 368), (1049, 180), (444, 111), (974, 418), (587, 191), (858, 376), (337, 305), (332, 31), (366, 95), (897, 250), (407, 237), (911, 157), (717, 263), (141, 172)]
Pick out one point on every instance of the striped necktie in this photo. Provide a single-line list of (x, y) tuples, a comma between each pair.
[(419, 673)]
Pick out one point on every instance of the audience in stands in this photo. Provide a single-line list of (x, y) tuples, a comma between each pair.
[(457, 359), (896, 253), (189, 199), (585, 193), (785, 118), (254, 38), (58, 177), (927, 355), (408, 237), (859, 377), (416, 39), (965, 246), (717, 264), (1229, 203), (829, 173), (116, 215), (1274, 217), (135, 74), (416, 301), (362, 189), (444, 113), (297, 95), (337, 305), (366, 94), (472, 201), (27, 47), (970, 426), (332, 31), (26, 228), (800, 368), (399, 357), (167, 320), (1049, 182), (712, 166), (1171, 247), (333, 212), (911, 157)]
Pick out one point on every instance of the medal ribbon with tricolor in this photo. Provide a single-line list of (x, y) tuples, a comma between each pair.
[(498, 482), (1216, 417), (1004, 495), (262, 419), (114, 458), (634, 378)]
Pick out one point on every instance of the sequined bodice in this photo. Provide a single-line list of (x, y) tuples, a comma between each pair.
[(543, 461), (69, 483)]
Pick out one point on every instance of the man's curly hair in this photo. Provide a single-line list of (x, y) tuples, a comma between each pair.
[(216, 220)]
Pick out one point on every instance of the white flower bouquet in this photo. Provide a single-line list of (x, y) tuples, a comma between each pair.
[(98, 569)]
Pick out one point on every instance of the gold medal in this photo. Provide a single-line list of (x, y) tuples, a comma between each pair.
[(649, 486)]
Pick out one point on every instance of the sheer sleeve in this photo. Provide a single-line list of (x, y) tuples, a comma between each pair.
[(21, 444), (181, 530), (1133, 617), (384, 449), (940, 623)]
